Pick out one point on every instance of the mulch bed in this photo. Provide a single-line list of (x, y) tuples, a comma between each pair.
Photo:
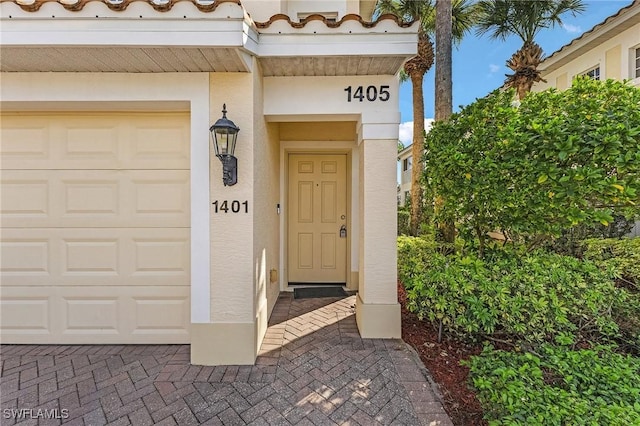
[(443, 362)]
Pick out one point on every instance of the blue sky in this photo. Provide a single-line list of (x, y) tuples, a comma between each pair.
[(479, 62)]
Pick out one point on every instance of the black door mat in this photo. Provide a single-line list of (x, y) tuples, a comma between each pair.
[(311, 292), (316, 284)]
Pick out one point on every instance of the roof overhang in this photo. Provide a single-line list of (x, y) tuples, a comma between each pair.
[(405, 151), (348, 47), (188, 36), (101, 36), (624, 19)]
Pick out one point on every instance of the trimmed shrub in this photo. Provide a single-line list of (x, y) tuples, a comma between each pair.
[(558, 386), (533, 297), (623, 256), (414, 255), (403, 221), (559, 160), (571, 240)]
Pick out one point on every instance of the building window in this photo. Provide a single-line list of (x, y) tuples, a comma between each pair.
[(593, 73), (406, 164), (638, 62)]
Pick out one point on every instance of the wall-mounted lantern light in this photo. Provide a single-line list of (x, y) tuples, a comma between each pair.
[(224, 134)]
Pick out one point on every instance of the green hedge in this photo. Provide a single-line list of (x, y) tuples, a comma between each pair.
[(531, 296), (558, 160), (403, 221), (623, 256), (558, 387)]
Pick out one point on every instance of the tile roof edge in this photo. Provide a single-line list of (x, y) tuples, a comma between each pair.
[(331, 24), (118, 6)]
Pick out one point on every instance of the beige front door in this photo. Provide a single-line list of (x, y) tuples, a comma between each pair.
[(317, 213)]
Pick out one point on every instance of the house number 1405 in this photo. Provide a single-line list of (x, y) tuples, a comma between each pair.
[(371, 93), (234, 206)]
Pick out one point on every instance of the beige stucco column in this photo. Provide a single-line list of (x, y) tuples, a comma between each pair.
[(230, 335), (377, 307)]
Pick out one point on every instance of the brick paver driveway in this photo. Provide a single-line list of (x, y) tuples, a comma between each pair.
[(313, 369)]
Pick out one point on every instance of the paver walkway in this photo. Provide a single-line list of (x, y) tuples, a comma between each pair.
[(313, 369)]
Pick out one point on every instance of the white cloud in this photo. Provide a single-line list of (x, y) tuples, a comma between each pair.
[(406, 130), (571, 29), (493, 68)]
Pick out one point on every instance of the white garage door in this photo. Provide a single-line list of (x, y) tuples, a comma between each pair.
[(95, 228)]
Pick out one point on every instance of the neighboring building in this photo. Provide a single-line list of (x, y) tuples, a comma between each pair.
[(610, 49), (405, 162), (116, 225)]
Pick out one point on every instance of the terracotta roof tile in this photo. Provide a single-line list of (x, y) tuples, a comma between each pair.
[(117, 6), (330, 23), (165, 6)]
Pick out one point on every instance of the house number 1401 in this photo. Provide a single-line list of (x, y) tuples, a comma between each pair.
[(234, 206), (371, 93)]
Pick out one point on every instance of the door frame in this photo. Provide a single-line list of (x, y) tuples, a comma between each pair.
[(308, 148)]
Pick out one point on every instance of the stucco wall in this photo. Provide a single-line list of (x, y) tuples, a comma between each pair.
[(232, 265), (613, 56), (266, 245), (377, 221), (341, 7), (318, 131), (262, 10)]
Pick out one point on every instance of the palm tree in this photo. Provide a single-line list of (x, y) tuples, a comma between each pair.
[(444, 84), (415, 69), (524, 18), (444, 93)]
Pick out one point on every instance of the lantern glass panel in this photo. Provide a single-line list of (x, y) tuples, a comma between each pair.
[(223, 141)]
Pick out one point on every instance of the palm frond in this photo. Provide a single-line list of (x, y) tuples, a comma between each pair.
[(409, 10), (403, 76), (465, 15), (384, 7), (523, 18)]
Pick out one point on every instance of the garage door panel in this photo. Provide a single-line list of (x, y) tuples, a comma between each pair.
[(23, 195), (90, 198), (23, 256), (91, 256), (95, 257), (89, 195), (161, 255), (157, 145), (160, 197), (37, 141), (97, 144), (94, 316), (156, 315), (24, 314), (25, 144), (95, 141), (109, 315)]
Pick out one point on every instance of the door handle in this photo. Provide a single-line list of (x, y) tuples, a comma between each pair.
[(343, 231)]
